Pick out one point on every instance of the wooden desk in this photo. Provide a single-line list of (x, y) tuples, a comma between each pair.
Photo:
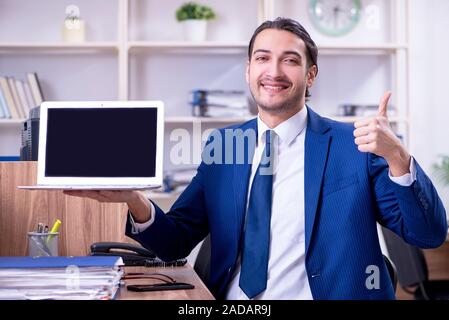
[(180, 274), (84, 221)]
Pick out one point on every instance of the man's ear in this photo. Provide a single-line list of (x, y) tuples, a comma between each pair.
[(247, 72), (311, 75)]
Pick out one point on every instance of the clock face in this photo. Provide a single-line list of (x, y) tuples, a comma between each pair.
[(335, 17)]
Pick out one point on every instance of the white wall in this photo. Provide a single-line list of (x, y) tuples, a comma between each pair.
[(429, 69)]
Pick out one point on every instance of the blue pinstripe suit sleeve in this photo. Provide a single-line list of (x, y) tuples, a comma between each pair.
[(175, 234), (415, 213)]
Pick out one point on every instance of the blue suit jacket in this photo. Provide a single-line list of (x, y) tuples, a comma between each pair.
[(346, 193)]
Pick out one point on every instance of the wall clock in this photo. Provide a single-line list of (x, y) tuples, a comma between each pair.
[(335, 17)]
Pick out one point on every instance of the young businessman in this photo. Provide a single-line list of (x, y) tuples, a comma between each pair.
[(308, 231)]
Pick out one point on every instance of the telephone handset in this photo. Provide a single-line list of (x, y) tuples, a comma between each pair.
[(132, 255)]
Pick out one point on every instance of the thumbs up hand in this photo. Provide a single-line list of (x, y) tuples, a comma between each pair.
[(376, 136)]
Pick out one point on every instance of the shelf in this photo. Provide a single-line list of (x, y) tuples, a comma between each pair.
[(11, 121), (57, 46), (189, 119), (181, 46), (241, 46), (162, 195), (361, 48), (351, 119)]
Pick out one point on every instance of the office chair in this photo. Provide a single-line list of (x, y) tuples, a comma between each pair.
[(392, 272), (202, 262), (413, 275)]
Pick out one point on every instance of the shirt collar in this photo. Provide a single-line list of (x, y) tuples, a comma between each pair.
[(287, 130)]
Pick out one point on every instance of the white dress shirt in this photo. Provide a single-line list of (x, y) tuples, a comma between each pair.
[(287, 276)]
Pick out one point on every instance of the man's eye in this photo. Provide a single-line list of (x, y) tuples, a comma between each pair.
[(291, 61), (261, 58)]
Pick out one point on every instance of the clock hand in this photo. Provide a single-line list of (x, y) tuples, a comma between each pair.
[(336, 10)]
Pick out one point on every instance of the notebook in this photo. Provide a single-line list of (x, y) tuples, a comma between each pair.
[(107, 145)]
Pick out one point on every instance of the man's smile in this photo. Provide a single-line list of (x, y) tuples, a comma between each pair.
[(274, 86)]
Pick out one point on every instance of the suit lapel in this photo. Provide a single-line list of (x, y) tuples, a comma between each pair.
[(241, 178), (316, 151)]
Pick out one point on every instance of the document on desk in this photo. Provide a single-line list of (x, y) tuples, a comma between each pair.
[(60, 278)]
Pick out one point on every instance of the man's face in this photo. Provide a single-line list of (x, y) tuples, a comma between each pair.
[(277, 71)]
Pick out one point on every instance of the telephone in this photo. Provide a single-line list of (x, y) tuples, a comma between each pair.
[(131, 254)]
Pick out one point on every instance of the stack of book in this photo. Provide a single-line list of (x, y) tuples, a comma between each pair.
[(220, 103), (362, 110), (18, 97), (60, 278), (177, 180)]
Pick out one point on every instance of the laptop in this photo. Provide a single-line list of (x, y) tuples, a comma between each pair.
[(100, 145)]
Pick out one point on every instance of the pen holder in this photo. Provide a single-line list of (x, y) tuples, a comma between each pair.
[(43, 244)]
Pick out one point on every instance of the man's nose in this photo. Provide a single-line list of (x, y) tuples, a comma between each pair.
[(274, 69)]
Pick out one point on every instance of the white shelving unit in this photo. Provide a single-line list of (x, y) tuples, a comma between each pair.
[(134, 51), (10, 121), (16, 46), (187, 119)]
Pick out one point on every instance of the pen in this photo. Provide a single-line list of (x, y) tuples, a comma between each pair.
[(56, 226), (54, 229)]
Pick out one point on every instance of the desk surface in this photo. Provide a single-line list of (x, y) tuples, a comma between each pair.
[(180, 274), (84, 221)]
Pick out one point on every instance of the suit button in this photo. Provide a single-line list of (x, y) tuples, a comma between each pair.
[(315, 275), (229, 269)]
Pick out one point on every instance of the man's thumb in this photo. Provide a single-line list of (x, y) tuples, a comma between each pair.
[(384, 103)]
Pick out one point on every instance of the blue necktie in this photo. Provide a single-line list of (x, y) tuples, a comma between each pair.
[(253, 274)]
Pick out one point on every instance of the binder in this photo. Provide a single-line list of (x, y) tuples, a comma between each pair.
[(60, 278), (60, 262)]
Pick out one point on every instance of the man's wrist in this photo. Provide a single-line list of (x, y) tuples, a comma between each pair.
[(399, 163), (140, 207)]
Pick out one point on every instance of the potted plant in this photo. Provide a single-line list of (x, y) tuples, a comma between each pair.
[(442, 170), (194, 18)]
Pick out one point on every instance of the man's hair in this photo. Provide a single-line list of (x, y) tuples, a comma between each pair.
[(294, 27)]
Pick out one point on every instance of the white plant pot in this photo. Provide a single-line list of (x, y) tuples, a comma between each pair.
[(195, 30)]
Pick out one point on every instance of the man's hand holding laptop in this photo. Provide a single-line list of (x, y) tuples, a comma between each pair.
[(137, 203)]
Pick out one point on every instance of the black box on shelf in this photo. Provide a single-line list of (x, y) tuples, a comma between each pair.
[(30, 136)]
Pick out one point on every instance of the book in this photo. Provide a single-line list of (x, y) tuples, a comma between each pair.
[(29, 95), (3, 113), (35, 87), (8, 97), (19, 108), (22, 97)]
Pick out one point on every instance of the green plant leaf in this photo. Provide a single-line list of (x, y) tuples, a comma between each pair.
[(441, 169), (193, 10)]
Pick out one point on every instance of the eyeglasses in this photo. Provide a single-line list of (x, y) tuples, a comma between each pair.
[(167, 282), (148, 275)]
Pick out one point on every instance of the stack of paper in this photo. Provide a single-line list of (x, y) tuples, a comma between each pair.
[(66, 278)]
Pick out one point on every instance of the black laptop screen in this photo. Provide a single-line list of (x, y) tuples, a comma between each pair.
[(101, 142)]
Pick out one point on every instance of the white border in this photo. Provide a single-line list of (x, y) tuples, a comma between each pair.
[(151, 181)]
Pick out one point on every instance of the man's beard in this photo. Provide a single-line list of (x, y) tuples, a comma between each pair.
[(280, 107)]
